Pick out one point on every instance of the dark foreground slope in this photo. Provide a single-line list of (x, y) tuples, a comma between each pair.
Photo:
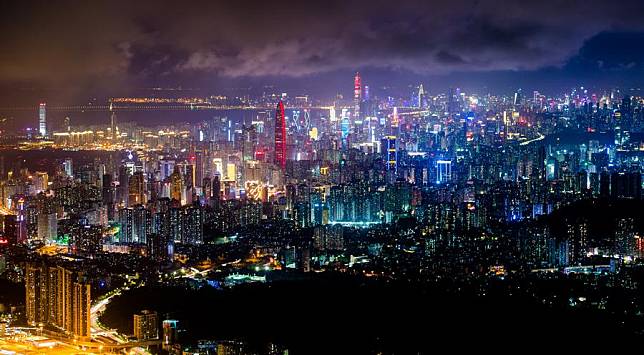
[(339, 315)]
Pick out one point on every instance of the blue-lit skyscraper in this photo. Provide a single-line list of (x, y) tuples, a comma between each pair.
[(42, 120), (443, 171), (389, 152)]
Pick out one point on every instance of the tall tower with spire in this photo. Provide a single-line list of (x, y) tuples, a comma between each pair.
[(357, 96), (112, 122), (280, 136), (421, 96)]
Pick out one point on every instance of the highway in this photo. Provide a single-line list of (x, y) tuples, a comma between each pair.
[(96, 329), (539, 137), (4, 211)]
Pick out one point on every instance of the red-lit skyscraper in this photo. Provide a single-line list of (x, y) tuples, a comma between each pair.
[(280, 136), (357, 96)]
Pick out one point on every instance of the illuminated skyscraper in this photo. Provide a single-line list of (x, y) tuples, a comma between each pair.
[(280, 136), (112, 122), (146, 325), (443, 171), (58, 296), (68, 167), (421, 97), (81, 310), (35, 305), (136, 187), (126, 222), (47, 227), (176, 184), (389, 152), (170, 333), (141, 224), (394, 128), (357, 96), (42, 120)]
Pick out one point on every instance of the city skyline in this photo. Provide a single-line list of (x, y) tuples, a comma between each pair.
[(337, 177)]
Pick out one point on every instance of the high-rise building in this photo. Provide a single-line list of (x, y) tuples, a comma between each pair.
[(231, 172), (192, 219), (625, 241), (41, 181), (42, 120), (9, 224), (280, 136), (389, 152), (170, 333), (443, 171), (141, 224), (216, 191), (126, 225), (81, 301), (107, 190), (146, 325), (47, 227), (124, 179), (136, 187), (113, 123), (68, 167), (35, 305), (420, 100), (206, 189), (176, 185), (58, 297), (357, 96), (63, 298)]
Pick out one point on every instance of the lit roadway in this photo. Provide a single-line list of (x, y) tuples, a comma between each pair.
[(96, 329), (103, 340), (4, 211), (11, 346), (99, 332), (539, 137)]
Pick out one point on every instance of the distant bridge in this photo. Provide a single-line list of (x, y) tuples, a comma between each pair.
[(588, 269)]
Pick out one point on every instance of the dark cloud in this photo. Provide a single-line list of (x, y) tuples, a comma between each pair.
[(447, 58), (143, 42), (610, 51)]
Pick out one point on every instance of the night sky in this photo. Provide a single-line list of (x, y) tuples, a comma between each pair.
[(112, 47)]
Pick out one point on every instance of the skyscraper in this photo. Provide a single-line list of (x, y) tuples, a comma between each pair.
[(170, 333), (35, 305), (126, 222), (81, 309), (389, 152), (421, 97), (112, 122), (280, 136), (47, 227), (443, 171), (357, 96), (176, 184), (216, 191), (42, 120), (58, 296), (146, 325), (136, 189)]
